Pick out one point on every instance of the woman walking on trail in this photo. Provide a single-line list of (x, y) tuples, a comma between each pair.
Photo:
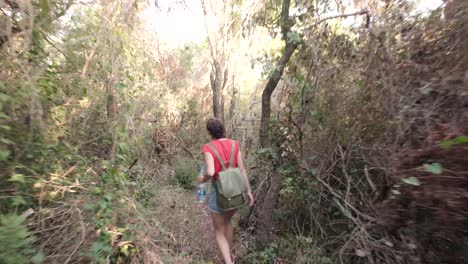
[(223, 148)]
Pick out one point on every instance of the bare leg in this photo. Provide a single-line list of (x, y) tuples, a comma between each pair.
[(223, 243), (228, 227)]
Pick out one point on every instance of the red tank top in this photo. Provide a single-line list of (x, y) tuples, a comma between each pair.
[(224, 147)]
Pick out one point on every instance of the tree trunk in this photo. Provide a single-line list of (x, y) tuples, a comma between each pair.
[(218, 80), (232, 108), (286, 23), (269, 88), (234, 99)]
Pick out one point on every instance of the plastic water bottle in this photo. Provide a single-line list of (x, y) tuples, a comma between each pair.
[(201, 190)]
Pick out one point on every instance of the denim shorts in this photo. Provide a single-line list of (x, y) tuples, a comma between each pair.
[(212, 203)]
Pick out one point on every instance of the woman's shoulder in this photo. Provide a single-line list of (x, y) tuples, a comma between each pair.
[(207, 147)]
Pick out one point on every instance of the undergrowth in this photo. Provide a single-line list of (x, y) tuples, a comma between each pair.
[(363, 160), (367, 161), (185, 172)]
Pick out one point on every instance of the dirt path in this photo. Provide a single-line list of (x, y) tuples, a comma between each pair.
[(187, 223)]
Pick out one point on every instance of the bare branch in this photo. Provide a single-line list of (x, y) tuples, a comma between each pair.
[(363, 12)]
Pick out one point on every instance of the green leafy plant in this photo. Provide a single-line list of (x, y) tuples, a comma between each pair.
[(16, 241), (456, 141), (113, 242), (265, 256), (185, 172)]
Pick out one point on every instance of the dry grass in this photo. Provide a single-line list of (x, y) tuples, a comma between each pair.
[(177, 227)]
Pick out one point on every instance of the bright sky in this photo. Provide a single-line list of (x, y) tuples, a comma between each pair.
[(176, 25), (428, 5), (184, 23)]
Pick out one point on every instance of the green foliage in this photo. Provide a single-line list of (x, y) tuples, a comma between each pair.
[(293, 248), (265, 256), (185, 172), (64, 142), (101, 249), (105, 209), (294, 37), (16, 241), (294, 187), (268, 154), (456, 141), (48, 84)]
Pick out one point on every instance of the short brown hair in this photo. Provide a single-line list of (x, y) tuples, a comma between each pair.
[(216, 128)]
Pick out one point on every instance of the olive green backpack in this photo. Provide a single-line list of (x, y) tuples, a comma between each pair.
[(231, 186)]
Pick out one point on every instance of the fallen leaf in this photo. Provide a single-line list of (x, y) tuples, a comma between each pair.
[(434, 168), (412, 181), (361, 253)]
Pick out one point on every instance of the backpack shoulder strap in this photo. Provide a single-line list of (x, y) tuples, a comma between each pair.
[(215, 151), (233, 149)]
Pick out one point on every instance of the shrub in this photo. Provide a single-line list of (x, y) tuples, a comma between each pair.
[(185, 172)]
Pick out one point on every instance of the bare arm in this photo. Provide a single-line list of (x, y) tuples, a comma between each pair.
[(241, 165), (209, 165)]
